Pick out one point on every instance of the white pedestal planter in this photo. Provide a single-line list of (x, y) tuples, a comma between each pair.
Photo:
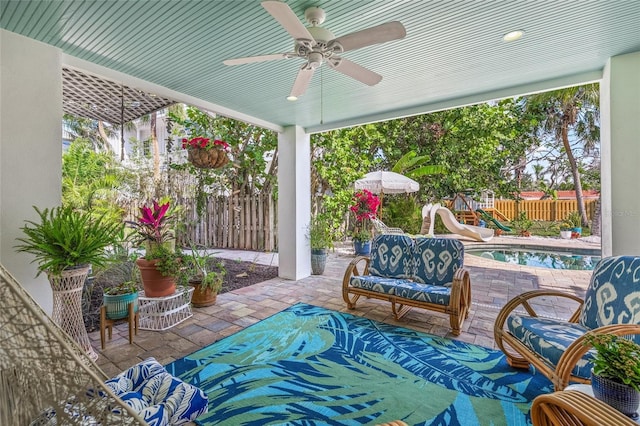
[(67, 306)]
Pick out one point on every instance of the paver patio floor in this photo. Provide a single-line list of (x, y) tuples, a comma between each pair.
[(493, 283)]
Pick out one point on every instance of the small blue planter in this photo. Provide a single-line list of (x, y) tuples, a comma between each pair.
[(362, 248), (618, 395), (117, 306)]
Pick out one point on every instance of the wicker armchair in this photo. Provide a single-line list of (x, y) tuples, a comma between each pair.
[(572, 408), (47, 379), (556, 347)]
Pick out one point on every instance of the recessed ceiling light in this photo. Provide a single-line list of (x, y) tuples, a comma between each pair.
[(513, 35), (292, 98)]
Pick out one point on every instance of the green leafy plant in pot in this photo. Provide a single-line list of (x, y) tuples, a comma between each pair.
[(523, 224), (320, 239), (574, 223), (161, 265), (66, 243), (615, 377), (116, 299), (207, 277)]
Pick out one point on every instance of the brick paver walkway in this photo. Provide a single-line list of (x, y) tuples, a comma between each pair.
[(493, 283)]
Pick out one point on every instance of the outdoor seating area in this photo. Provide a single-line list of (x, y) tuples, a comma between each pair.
[(493, 284)]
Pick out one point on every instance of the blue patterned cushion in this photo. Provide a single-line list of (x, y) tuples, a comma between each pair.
[(157, 396), (613, 296), (375, 283), (424, 292), (549, 338), (437, 260), (392, 256)]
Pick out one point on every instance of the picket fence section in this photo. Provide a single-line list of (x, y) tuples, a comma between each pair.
[(547, 210), (243, 222)]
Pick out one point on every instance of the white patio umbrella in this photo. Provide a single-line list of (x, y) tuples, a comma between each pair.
[(383, 182)]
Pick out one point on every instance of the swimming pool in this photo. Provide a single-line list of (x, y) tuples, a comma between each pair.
[(540, 257)]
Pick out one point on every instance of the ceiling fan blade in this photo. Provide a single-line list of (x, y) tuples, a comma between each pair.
[(302, 80), (251, 59), (354, 70), (374, 35), (288, 19)]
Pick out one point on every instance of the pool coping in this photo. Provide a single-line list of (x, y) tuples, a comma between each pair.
[(583, 251)]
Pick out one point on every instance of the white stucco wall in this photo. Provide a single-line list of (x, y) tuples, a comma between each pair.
[(620, 170), (294, 203), (30, 148)]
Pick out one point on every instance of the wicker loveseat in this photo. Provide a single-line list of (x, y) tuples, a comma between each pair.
[(425, 273), (47, 379), (556, 347)]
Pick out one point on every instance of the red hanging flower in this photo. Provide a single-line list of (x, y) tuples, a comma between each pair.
[(200, 142)]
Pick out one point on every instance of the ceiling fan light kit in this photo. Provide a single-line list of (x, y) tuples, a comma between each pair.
[(317, 45)]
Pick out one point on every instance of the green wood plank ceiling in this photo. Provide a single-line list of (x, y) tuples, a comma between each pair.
[(453, 52)]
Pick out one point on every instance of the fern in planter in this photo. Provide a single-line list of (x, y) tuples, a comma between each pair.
[(66, 238)]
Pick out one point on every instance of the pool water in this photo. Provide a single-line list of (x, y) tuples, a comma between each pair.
[(539, 258)]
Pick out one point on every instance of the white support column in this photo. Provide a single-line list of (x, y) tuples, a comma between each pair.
[(30, 148), (294, 203), (620, 156)]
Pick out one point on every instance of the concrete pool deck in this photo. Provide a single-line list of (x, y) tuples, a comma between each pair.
[(493, 284)]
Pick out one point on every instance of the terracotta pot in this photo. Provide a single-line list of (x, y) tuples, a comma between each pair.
[(154, 283), (202, 297)]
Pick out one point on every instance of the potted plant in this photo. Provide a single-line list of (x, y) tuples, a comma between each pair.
[(361, 237), (523, 224), (66, 243), (320, 239), (364, 208), (116, 299), (615, 377), (574, 222), (207, 278), (205, 153), (161, 265), (565, 231)]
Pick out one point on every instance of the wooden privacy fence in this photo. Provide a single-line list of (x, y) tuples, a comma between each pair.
[(548, 210), (244, 222)]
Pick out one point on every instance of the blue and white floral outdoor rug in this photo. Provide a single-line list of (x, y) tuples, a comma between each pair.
[(311, 366)]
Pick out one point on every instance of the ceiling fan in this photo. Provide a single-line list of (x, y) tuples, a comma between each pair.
[(317, 45)]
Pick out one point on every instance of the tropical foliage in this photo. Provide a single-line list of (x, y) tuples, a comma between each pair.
[(570, 114), (90, 180), (478, 147), (253, 151)]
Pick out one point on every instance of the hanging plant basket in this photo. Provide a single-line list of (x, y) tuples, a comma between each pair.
[(212, 158)]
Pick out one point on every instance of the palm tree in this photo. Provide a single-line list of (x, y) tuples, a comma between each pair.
[(572, 111)]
